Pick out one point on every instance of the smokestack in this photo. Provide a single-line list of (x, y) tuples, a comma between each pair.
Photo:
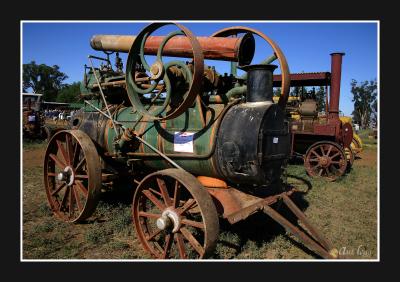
[(336, 74), (259, 82)]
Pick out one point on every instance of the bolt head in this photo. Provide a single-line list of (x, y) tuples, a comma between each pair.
[(60, 176)]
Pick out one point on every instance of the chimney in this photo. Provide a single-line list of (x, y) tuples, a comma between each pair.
[(336, 73)]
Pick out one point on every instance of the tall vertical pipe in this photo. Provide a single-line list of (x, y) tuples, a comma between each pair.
[(336, 74)]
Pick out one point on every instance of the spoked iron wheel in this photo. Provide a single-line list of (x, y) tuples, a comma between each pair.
[(325, 159), (72, 175), (174, 216)]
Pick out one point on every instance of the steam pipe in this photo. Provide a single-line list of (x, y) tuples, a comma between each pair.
[(336, 73), (240, 49)]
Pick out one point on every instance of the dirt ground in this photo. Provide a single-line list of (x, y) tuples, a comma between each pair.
[(345, 211)]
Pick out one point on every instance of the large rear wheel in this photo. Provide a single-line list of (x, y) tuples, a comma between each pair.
[(72, 175)]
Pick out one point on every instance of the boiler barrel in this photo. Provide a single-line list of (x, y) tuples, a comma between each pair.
[(240, 49)]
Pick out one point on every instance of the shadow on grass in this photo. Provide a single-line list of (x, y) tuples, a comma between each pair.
[(261, 229)]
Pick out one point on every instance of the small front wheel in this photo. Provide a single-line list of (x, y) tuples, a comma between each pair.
[(174, 216), (325, 159)]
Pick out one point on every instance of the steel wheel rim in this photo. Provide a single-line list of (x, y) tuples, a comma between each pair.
[(74, 197), (326, 159), (193, 235)]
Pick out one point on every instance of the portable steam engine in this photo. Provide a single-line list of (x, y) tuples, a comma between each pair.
[(198, 145)]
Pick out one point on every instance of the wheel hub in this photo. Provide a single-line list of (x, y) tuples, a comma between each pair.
[(157, 70), (67, 175), (169, 219), (324, 161)]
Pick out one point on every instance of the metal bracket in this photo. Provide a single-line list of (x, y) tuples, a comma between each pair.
[(314, 241)]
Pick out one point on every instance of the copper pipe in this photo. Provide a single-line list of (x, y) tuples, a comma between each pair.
[(239, 49)]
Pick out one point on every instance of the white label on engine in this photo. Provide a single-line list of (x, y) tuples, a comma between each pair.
[(275, 140), (183, 142)]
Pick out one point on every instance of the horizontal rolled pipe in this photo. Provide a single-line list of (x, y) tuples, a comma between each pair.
[(240, 49)]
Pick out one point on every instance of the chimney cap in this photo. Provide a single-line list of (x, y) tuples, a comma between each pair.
[(338, 53)]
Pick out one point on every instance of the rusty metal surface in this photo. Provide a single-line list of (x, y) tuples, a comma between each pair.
[(325, 159), (285, 88), (305, 79), (336, 73), (347, 134), (72, 153), (170, 205), (197, 76), (302, 236), (235, 206), (229, 49)]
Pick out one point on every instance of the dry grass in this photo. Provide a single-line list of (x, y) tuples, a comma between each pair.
[(345, 211)]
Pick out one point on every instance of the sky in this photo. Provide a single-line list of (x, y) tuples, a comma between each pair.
[(306, 45)]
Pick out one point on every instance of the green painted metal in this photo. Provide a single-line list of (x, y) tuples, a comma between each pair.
[(161, 135)]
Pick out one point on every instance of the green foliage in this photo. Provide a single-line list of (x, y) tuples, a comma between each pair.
[(320, 95), (43, 79), (69, 93), (277, 92), (365, 102)]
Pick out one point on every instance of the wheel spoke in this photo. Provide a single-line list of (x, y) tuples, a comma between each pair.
[(176, 194), (161, 250), (155, 192), (181, 245), (316, 166), (315, 153), (164, 191), (64, 199), (168, 243), (77, 200), (186, 206), (152, 236), (71, 202), (81, 176), (330, 148), (78, 167), (82, 187), (62, 150), (150, 215), (193, 223), (58, 189), (193, 242), (68, 144), (59, 163), (320, 172), (335, 155), (322, 150), (76, 154), (152, 198), (314, 160)]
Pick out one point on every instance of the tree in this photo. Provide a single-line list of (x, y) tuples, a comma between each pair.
[(365, 104), (276, 92), (69, 93), (320, 95), (43, 79)]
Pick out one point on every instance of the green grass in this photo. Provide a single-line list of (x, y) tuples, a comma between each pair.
[(344, 211), (28, 144), (365, 135)]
